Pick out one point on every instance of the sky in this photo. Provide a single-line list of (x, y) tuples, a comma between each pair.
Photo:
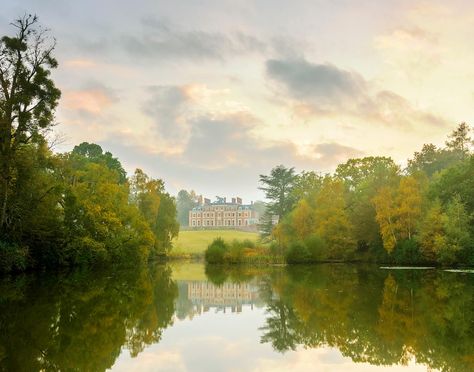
[(207, 94)]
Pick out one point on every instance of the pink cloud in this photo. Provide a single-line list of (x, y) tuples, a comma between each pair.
[(93, 101)]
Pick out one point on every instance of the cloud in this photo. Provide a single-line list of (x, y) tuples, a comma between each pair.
[(220, 152), (165, 41), (330, 154), (322, 82), (80, 63), (217, 139), (326, 91), (412, 51), (93, 99), (169, 107)]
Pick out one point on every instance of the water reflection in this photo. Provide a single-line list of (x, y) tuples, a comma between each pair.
[(89, 321), (82, 320)]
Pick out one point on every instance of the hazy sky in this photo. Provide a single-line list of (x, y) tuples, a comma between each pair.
[(209, 94)]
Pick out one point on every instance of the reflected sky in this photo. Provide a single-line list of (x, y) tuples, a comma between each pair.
[(217, 341)]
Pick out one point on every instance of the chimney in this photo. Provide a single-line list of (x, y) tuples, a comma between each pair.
[(239, 200), (233, 201)]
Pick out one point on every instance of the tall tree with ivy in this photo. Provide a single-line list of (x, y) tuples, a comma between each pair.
[(28, 97)]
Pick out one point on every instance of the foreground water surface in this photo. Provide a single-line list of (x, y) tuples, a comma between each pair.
[(184, 316)]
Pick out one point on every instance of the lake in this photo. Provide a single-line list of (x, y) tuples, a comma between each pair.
[(188, 317)]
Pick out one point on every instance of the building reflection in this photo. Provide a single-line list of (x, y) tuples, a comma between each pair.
[(201, 296)]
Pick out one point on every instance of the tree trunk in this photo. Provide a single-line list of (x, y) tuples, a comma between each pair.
[(5, 166), (4, 201)]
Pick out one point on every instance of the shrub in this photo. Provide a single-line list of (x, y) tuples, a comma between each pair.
[(247, 243), (407, 252), (12, 257), (236, 252), (275, 248), (215, 252), (317, 248), (297, 253)]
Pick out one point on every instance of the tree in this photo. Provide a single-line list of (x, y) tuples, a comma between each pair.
[(93, 152), (432, 237), (331, 220), (307, 184), (408, 206), (458, 239), (167, 226), (355, 172), (101, 226), (157, 207), (184, 203), (459, 140), (302, 219), (28, 97), (431, 160), (362, 178), (278, 187), (456, 180), (386, 217)]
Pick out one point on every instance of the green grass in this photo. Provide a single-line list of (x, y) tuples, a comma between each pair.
[(194, 243)]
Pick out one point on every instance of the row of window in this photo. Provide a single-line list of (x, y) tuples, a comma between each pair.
[(211, 214), (225, 223)]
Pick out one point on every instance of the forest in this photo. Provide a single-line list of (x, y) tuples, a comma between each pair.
[(371, 209), (65, 209)]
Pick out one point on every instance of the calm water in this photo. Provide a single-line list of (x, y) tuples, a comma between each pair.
[(185, 317)]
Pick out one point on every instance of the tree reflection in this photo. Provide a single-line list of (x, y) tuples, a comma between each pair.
[(372, 315), (82, 320)]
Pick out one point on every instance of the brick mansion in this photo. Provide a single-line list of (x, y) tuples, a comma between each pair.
[(223, 214)]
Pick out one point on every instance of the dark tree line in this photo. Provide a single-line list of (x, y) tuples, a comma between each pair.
[(76, 208)]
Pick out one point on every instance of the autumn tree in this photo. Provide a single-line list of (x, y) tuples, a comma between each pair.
[(386, 216), (302, 219), (332, 221), (409, 202), (363, 177), (157, 207)]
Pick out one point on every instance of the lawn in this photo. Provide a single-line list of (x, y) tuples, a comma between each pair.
[(191, 243)]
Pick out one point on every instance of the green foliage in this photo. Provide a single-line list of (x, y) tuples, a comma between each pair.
[(28, 98), (92, 152), (297, 253), (407, 251), (459, 241), (317, 248), (216, 251), (278, 188), (12, 257)]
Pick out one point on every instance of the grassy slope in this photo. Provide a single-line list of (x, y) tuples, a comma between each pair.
[(196, 242)]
